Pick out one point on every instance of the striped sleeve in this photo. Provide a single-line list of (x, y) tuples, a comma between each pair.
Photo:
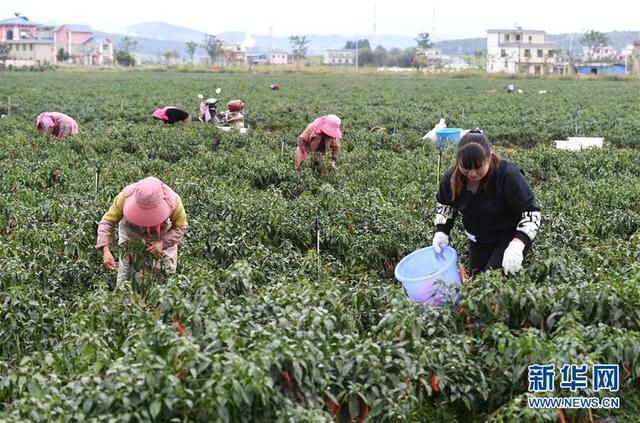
[(529, 225), (520, 198), (445, 212)]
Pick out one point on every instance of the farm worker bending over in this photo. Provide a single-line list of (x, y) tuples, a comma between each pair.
[(57, 124), (148, 210), (319, 136), (499, 212), (172, 115)]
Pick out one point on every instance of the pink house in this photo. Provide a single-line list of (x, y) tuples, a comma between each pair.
[(71, 39), (18, 28), (28, 42), (82, 46), (98, 51), (78, 42)]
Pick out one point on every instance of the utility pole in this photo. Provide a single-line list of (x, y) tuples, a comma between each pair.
[(375, 28), (356, 52), (271, 35), (433, 27)]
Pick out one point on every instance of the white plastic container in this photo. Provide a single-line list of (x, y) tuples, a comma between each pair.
[(579, 143)]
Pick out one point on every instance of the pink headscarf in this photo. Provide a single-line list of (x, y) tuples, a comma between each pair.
[(161, 114), (44, 120), (329, 125)]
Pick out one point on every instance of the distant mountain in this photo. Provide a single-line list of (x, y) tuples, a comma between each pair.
[(156, 38), (165, 32), (617, 39), (148, 46), (462, 46)]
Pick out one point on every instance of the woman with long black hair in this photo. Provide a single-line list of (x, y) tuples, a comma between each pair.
[(499, 212)]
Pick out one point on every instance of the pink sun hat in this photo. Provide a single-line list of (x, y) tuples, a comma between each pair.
[(329, 124), (148, 202)]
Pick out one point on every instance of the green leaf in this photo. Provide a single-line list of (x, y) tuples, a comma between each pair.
[(155, 408)]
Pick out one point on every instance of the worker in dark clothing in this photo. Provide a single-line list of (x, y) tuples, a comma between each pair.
[(499, 212), (172, 115)]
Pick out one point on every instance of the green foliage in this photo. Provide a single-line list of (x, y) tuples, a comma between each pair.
[(424, 41), (594, 40), (124, 58), (255, 326), (213, 46), (362, 43), (5, 50), (299, 46), (191, 49), (62, 55), (128, 44)]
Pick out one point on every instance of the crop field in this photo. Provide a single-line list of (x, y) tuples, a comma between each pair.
[(256, 326)]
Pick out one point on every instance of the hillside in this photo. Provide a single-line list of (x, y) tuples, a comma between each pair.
[(155, 38)]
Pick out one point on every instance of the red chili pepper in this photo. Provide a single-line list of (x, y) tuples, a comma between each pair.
[(561, 417), (179, 327), (434, 382), (406, 386), (461, 311), (469, 322), (287, 380), (363, 411), (463, 276), (332, 406), (626, 373), (388, 266)]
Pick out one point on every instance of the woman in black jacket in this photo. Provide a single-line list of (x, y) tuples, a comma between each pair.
[(500, 214)]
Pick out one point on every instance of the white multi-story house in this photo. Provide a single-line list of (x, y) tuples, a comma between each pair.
[(599, 53), (279, 57), (635, 55), (521, 51), (344, 57), (233, 54)]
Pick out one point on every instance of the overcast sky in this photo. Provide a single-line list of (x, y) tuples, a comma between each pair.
[(453, 19)]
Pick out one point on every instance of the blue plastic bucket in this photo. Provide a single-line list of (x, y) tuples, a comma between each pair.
[(447, 135), (428, 278)]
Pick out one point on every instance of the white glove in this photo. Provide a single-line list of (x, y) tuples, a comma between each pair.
[(431, 135), (440, 239), (512, 258)]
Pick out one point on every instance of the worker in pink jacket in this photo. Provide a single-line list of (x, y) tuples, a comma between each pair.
[(147, 210), (57, 124), (320, 135)]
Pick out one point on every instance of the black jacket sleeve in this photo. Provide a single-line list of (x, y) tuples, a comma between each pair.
[(445, 213), (519, 198), (176, 115)]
